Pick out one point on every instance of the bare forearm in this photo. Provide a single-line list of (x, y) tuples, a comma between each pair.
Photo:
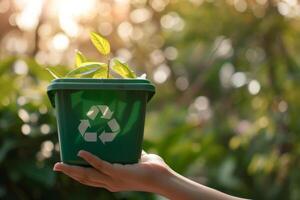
[(176, 187)]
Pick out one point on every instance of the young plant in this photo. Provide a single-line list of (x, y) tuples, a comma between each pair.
[(88, 69)]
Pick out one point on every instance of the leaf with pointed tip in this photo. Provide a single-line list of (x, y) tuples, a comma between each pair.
[(79, 58), (100, 43), (123, 69), (86, 70), (53, 73)]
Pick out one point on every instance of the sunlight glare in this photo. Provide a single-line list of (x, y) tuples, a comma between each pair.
[(60, 42), (28, 18)]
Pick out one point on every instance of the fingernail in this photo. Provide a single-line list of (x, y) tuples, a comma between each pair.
[(80, 153), (56, 167)]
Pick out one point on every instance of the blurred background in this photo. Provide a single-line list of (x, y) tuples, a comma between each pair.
[(226, 111)]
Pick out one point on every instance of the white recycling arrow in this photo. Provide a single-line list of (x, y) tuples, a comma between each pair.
[(107, 136), (106, 112), (113, 125), (90, 137), (93, 112), (83, 126), (104, 136)]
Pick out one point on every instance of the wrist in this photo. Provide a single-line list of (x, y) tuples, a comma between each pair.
[(160, 180), (169, 184)]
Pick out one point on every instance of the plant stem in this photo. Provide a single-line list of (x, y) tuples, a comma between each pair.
[(108, 66)]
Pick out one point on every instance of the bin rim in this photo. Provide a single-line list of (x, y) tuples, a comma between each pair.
[(96, 84)]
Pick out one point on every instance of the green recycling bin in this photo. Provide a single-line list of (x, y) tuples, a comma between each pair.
[(103, 116)]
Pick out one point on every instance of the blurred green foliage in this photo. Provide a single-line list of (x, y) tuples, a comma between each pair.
[(235, 128)]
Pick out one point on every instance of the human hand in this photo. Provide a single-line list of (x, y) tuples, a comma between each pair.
[(142, 176), (151, 174)]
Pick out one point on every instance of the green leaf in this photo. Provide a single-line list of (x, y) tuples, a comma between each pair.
[(53, 73), (123, 69), (79, 58), (100, 43), (86, 70), (102, 73)]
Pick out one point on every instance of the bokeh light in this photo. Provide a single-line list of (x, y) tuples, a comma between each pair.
[(225, 112)]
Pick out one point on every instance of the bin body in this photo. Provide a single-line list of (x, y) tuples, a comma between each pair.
[(103, 116)]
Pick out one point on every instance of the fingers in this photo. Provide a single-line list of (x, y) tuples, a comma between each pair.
[(143, 157), (72, 171), (144, 153), (87, 176), (96, 162)]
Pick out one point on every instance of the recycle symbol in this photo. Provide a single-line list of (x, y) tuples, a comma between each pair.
[(104, 136)]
